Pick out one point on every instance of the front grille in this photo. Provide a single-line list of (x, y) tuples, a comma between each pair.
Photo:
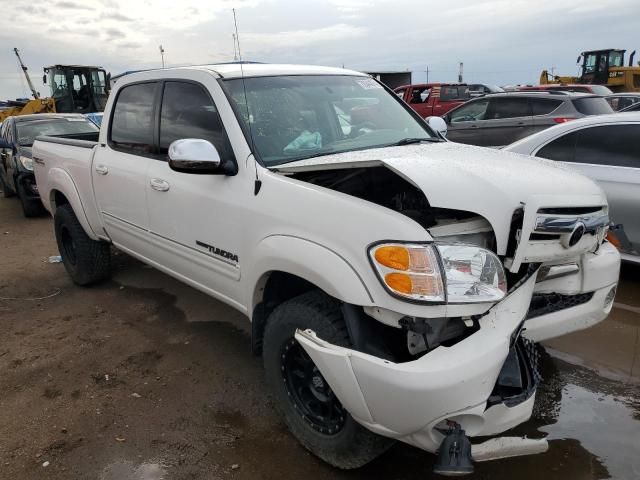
[(545, 303), (533, 354), (519, 376)]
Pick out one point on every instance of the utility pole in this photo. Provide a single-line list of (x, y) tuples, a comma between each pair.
[(235, 51), (162, 55), (460, 72), (24, 69), (427, 73)]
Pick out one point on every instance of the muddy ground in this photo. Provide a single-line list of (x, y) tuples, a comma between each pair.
[(145, 378)]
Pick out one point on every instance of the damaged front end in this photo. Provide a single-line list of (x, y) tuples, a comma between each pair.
[(484, 384)]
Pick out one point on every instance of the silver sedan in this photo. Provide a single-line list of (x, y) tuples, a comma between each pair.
[(605, 148)]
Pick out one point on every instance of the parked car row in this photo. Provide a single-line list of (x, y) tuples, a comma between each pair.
[(17, 135)]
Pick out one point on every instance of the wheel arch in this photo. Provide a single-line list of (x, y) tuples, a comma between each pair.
[(290, 266), (62, 191)]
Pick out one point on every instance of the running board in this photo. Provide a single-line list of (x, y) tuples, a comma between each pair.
[(505, 447)]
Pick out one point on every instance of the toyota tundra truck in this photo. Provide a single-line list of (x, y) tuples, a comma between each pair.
[(396, 283)]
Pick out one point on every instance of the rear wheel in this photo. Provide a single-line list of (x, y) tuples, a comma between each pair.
[(87, 261), (309, 407)]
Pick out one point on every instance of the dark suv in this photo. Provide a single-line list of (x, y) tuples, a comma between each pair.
[(502, 118), (16, 164)]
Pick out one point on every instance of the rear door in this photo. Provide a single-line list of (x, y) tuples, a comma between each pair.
[(543, 110), (450, 97), (119, 168), (507, 119)]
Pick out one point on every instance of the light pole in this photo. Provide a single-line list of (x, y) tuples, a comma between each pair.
[(235, 51), (162, 55)]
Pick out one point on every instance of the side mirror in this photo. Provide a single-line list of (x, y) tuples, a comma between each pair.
[(438, 124), (193, 155)]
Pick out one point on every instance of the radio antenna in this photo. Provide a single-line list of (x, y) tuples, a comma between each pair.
[(258, 182)]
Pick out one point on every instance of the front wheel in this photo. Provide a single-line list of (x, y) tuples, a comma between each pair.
[(87, 261), (305, 400), (30, 207)]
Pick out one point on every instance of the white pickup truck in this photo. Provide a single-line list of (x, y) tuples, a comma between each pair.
[(395, 281)]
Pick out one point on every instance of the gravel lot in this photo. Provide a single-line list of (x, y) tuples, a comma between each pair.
[(145, 378)]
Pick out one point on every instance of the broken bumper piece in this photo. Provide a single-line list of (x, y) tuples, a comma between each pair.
[(412, 401)]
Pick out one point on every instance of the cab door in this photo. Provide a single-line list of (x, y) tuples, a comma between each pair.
[(194, 218), (119, 168)]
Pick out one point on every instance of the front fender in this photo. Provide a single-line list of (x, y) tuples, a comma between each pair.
[(61, 181), (311, 261)]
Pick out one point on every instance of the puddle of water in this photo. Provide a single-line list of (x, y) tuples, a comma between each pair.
[(606, 425), (125, 470)]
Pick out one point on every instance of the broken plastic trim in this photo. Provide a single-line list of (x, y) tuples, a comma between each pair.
[(519, 376)]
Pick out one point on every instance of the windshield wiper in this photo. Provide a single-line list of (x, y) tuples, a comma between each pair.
[(411, 141)]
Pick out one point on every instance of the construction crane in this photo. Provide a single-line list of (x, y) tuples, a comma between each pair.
[(35, 94)]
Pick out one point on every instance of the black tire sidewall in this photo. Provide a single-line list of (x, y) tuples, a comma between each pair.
[(354, 445), (92, 262)]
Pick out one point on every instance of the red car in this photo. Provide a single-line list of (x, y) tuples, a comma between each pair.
[(569, 87), (434, 98)]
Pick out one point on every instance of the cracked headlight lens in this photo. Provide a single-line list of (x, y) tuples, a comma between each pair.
[(455, 273)]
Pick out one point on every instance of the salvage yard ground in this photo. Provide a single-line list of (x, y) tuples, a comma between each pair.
[(143, 377)]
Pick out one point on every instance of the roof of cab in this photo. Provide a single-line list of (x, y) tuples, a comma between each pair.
[(237, 70)]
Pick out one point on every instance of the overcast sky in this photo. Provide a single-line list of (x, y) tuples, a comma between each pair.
[(499, 41)]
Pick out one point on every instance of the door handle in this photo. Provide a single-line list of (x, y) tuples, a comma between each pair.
[(102, 170), (159, 184), (38, 160)]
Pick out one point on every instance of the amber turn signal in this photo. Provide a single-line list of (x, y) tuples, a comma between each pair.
[(393, 257)]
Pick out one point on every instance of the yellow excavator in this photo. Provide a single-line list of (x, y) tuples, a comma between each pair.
[(602, 67), (74, 89)]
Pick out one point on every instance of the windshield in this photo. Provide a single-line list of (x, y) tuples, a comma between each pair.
[(28, 131), (296, 117)]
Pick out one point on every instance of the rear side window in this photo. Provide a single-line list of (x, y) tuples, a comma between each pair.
[(189, 112), (609, 145), (543, 106), (132, 123), (508, 108), (592, 106), (561, 149), (454, 92)]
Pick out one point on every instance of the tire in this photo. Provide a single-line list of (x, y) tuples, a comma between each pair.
[(339, 441), (6, 191), (87, 261), (30, 208)]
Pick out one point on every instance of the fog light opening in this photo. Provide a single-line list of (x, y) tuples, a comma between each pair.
[(610, 296)]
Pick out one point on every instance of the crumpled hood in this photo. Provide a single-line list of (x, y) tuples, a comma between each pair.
[(488, 182)]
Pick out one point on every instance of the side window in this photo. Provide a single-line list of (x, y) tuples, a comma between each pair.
[(505, 107), (454, 92), (400, 92), (543, 106), (614, 145), (470, 112), (132, 123), (188, 112), (420, 95), (561, 149)]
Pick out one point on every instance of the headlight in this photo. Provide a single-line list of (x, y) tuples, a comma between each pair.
[(454, 273), (26, 162)]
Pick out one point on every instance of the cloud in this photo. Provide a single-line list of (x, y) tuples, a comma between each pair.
[(117, 16), (301, 38), (72, 6)]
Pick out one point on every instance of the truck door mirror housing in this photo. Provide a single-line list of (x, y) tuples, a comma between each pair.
[(194, 155), (438, 124)]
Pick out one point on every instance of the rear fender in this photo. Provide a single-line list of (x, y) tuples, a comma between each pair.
[(60, 181)]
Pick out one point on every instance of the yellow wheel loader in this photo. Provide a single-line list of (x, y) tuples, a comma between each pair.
[(602, 67), (74, 89)]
